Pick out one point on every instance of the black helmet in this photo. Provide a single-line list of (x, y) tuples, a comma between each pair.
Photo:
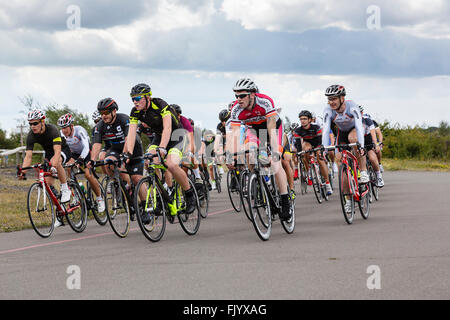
[(305, 113), (335, 91), (176, 107), (224, 115), (140, 89), (107, 104)]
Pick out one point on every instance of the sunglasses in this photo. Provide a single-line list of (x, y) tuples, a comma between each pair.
[(241, 96), (105, 112), (137, 98), (32, 124)]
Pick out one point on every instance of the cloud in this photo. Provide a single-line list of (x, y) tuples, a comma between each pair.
[(414, 17)]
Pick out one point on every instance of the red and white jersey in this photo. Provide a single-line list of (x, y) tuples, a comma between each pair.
[(256, 118)]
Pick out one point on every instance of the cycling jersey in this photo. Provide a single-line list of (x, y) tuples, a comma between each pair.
[(78, 142), (185, 124), (312, 135), (256, 118), (345, 122), (47, 140), (115, 133), (153, 116), (368, 125)]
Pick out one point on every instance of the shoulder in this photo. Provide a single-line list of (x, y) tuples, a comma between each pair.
[(264, 100), (160, 103)]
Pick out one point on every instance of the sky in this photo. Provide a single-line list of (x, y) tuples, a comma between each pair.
[(392, 56)]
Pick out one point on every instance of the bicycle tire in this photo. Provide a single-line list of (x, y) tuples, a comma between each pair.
[(316, 183), (289, 225), (258, 198), (118, 208), (154, 230), (236, 203), (190, 223), (43, 224), (243, 182), (348, 216), (364, 202), (101, 218), (303, 176), (77, 221), (218, 180)]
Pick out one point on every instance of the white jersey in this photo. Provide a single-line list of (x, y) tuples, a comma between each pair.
[(79, 141)]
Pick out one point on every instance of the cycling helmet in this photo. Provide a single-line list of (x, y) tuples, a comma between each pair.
[(294, 126), (65, 120), (245, 84), (140, 89), (176, 107), (224, 115), (361, 108), (96, 116), (208, 135), (305, 113), (335, 91), (36, 115), (107, 104)]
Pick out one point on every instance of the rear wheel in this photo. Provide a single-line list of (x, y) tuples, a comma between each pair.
[(190, 222), (100, 217), (316, 183), (76, 209), (40, 210)]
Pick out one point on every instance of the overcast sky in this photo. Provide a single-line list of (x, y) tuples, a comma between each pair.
[(392, 56)]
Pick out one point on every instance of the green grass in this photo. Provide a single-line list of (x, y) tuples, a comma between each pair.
[(415, 165)]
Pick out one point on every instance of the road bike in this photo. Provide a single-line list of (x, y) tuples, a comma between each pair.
[(42, 202), (161, 203), (349, 187), (318, 182)]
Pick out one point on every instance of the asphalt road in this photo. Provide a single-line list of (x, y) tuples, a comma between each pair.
[(401, 252)]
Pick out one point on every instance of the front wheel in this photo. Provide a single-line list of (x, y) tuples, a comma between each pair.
[(316, 183), (150, 212), (243, 194), (260, 210), (234, 190), (364, 201), (40, 210), (100, 217), (76, 209), (347, 199), (118, 208)]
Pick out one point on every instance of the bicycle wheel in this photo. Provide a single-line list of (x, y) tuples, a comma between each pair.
[(316, 183), (243, 194), (152, 208), (373, 181), (260, 210), (218, 180), (40, 210), (76, 209), (203, 196), (100, 217), (190, 223), (234, 190), (118, 209), (364, 203), (303, 176), (346, 196)]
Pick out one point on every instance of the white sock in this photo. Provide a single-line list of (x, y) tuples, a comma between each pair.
[(196, 173), (378, 174)]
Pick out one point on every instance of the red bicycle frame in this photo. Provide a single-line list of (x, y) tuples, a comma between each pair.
[(345, 155)]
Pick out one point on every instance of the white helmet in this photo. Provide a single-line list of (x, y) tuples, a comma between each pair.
[(245, 84), (65, 120), (36, 115), (96, 116)]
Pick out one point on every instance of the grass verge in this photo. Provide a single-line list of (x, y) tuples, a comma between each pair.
[(415, 165)]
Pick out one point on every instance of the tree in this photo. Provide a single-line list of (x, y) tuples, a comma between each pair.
[(53, 112)]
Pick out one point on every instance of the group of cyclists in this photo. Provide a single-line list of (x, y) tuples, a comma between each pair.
[(250, 122)]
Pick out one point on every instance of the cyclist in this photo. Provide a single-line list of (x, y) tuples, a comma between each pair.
[(311, 135), (221, 138), (96, 117), (371, 146), (379, 141), (258, 111), (161, 118), (56, 150), (114, 128), (78, 141), (348, 120), (207, 154)]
